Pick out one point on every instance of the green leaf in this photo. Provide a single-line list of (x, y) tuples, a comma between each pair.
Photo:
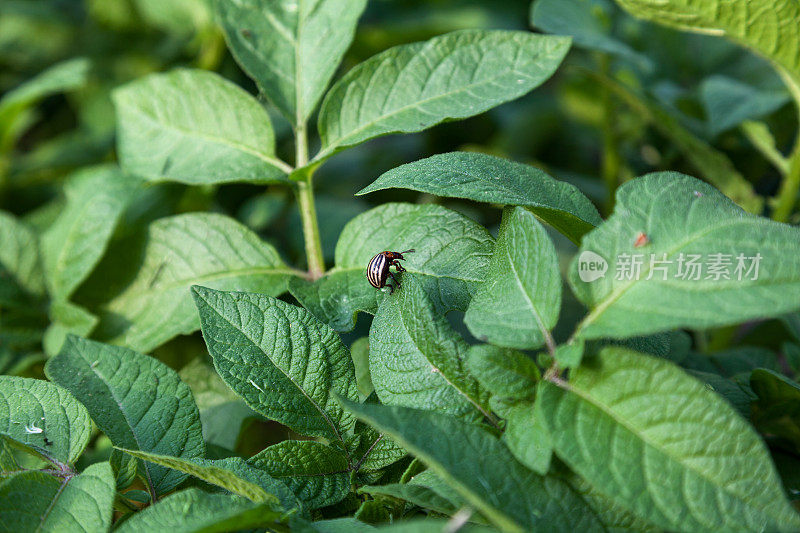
[(66, 318), (61, 77), (762, 139), (485, 178), (181, 17), (417, 360), (136, 400), (35, 412), (282, 361), (193, 126), (519, 302), (415, 494), (729, 102), (73, 245), (193, 511), (291, 49), (502, 371), (777, 410), (232, 474), (35, 501), (761, 25), (588, 22), (712, 164), (412, 87), (210, 249), (20, 266), (681, 215), (527, 438), (318, 474), (509, 495), (674, 453), (451, 269), (359, 351)]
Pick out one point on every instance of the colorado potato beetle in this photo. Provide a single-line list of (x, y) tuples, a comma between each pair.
[(378, 269)]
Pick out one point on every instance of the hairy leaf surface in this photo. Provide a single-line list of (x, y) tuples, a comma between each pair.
[(682, 217), (181, 251), (486, 178), (412, 87), (34, 411), (193, 126), (291, 48), (509, 495), (417, 360), (673, 452), (281, 360), (137, 401), (318, 474), (520, 300)]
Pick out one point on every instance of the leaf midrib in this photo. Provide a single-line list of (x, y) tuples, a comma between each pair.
[(290, 378), (275, 162), (585, 395), (617, 293), (342, 141), (102, 378)]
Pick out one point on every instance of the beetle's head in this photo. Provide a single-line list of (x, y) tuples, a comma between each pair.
[(397, 255)]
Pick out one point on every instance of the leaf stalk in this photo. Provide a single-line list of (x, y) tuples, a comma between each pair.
[(305, 202)]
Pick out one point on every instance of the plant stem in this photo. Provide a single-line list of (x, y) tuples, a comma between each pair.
[(305, 202), (787, 197)]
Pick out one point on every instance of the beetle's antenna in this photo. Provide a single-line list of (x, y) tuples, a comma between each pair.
[(411, 251)]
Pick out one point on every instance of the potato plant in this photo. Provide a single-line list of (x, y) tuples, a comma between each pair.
[(598, 328)]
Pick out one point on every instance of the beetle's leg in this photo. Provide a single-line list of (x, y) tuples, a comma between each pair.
[(396, 283), (398, 266)]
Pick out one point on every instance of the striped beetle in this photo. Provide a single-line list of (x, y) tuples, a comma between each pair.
[(378, 268)]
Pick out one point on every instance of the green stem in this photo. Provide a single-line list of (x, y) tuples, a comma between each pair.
[(305, 202), (787, 197)]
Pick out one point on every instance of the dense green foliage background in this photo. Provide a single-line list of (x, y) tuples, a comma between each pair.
[(205, 183)]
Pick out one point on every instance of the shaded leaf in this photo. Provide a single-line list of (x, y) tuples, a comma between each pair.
[(509, 495), (729, 102), (193, 510), (205, 248), (503, 371), (35, 501), (73, 245), (486, 178), (20, 266)]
